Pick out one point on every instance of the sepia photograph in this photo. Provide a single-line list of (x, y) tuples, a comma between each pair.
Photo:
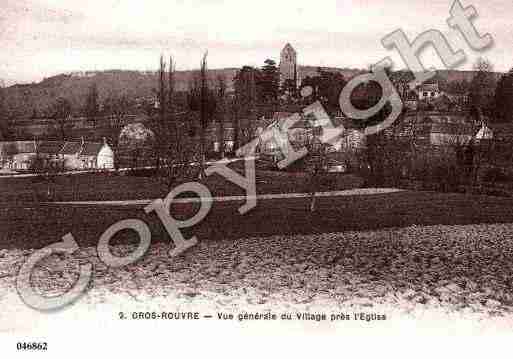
[(248, 179)]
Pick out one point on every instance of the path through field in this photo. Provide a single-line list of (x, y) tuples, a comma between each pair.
[(352, 192)]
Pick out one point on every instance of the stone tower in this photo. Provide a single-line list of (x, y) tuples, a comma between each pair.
[(288, 64)]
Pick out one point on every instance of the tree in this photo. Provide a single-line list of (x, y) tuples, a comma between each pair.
[(482, 88), (171, 99), (233, 113), (331, 85), (4, 120), (203, 112), (317, 155), (161, 124), (201, 98), (314, 83), (458, 87), (48, 171), (247, 89), (221, 113), (92, 103), (269, 82), (117, 108), (380, 147), (326, 87), (135, 139), (246, 98), (62, 114), (504, 97), (289, 89), (176, 154), (367, 95)]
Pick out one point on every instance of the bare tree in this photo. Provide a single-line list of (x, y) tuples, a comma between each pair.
[(318, 171), (413, 138), (482, 88), (221, 113), (203, 113), (235, 117), (482, 153), (201, 99), (46, 170), (316, 161), (160, 122), (171, 100), (178, 156), (5, 127), (62, 113), (91, 104), (116, 108), (246, 97), (483, 65)]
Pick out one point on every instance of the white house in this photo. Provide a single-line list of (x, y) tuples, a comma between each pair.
[(71, 155), (87, 155), (484, 133), (105, 157)]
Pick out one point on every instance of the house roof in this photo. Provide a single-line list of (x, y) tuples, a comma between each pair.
[(411, 96), (451, 128), (264, 122), (10, 148), (7, 148), (429, 87), (81, 148), (17, 147), (91, 148), (49, 147), (70, 148), (279, 120), (280, 115)]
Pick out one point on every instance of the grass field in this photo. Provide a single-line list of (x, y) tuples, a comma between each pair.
[(400, 252), (112, 186), (35, 226)]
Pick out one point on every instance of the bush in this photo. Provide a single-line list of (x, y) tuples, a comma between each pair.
[(496, 175), (497, 193), (142, 172)]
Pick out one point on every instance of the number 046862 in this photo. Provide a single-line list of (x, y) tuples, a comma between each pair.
[(32, 346)]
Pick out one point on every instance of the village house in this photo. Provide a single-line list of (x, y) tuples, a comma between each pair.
[(214, 136), (434, 131), (484, 133), (17, 155), (428, 91), (436, 135), (48, 153), (284, 137), (69, 155), (87, 155)]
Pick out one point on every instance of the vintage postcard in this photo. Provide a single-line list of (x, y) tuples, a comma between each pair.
[(248, 179)]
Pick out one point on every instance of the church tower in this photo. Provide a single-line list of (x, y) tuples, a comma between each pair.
[(288, 64)]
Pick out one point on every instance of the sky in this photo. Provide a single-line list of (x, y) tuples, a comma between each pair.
[(42, 38)]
